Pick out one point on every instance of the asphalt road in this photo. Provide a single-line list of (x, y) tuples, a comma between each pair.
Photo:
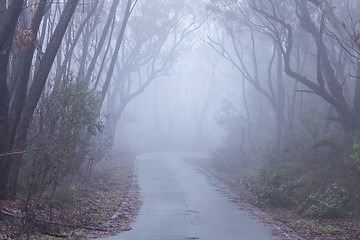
[(179, 204)]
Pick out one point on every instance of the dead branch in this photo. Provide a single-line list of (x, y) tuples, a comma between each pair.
[(56, 235), (69, 225), (22, 152)]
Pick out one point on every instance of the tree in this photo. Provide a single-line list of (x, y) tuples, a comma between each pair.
[(114, 58), (150, 49), (285, 24), (99, 46), (90, 21), (243, 45), (17, 142), (8, 20)]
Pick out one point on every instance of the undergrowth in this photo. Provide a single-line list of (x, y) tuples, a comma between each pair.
[(312, 173)]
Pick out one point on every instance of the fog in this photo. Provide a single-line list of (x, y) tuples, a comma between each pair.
[(188, 75), (267, 93), (178, 111)]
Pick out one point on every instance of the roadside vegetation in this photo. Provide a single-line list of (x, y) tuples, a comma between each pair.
[(309, 183), (68, 69), (291, 136), (93, 204), (287, 74)]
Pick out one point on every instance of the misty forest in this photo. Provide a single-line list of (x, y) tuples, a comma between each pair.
[(179, 119)]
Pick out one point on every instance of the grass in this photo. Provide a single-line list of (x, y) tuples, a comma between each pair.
[(303, 223), (204, 163), (227, 179), (46, 237), (105, 210)]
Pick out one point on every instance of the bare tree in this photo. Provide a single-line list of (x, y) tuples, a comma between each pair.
[(277, 21), (149, 51), (240, 44)]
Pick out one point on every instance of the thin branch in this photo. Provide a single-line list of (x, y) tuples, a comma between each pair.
[(25, 151), (304, 91)]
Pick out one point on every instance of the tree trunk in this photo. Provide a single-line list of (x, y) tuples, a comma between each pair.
[(23, 67), (356, 101), (9, 21), (116, 51), (102, 40), (35, 91), (7, 30), (4, 127), (70, 51), (279, 108)]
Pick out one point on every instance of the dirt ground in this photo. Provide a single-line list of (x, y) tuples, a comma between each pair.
[(105, 199)]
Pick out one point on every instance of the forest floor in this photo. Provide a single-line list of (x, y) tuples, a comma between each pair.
[(287, 223), (105, 199)]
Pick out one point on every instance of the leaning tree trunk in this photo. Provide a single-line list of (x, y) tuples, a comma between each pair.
[(116, 52), (23, 67), (8, 24), (35, 91), (102, 40), (70, 51)]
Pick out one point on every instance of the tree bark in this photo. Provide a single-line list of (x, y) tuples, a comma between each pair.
[(9, 22), (7, 30), (343, 33), (35, 91), (23, 67), (324, 66)]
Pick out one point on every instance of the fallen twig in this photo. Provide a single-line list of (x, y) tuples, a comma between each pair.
[(56, 235), (69, 225)]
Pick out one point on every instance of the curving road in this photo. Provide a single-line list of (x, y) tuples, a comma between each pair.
[(179, 204)]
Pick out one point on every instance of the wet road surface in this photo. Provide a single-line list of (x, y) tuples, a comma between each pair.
[(180, 204)]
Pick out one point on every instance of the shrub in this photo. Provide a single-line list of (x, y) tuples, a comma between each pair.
[(271, 189), (65, 119), (64, 194), (355, 157), (326, 205)]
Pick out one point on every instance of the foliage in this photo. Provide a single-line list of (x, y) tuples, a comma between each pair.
[(275, 188), (232, 157), (271, 189), (326, 205), (355, 157), (310, 122), (60, 132), (64, 194), (314, 225), (294, 174)]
